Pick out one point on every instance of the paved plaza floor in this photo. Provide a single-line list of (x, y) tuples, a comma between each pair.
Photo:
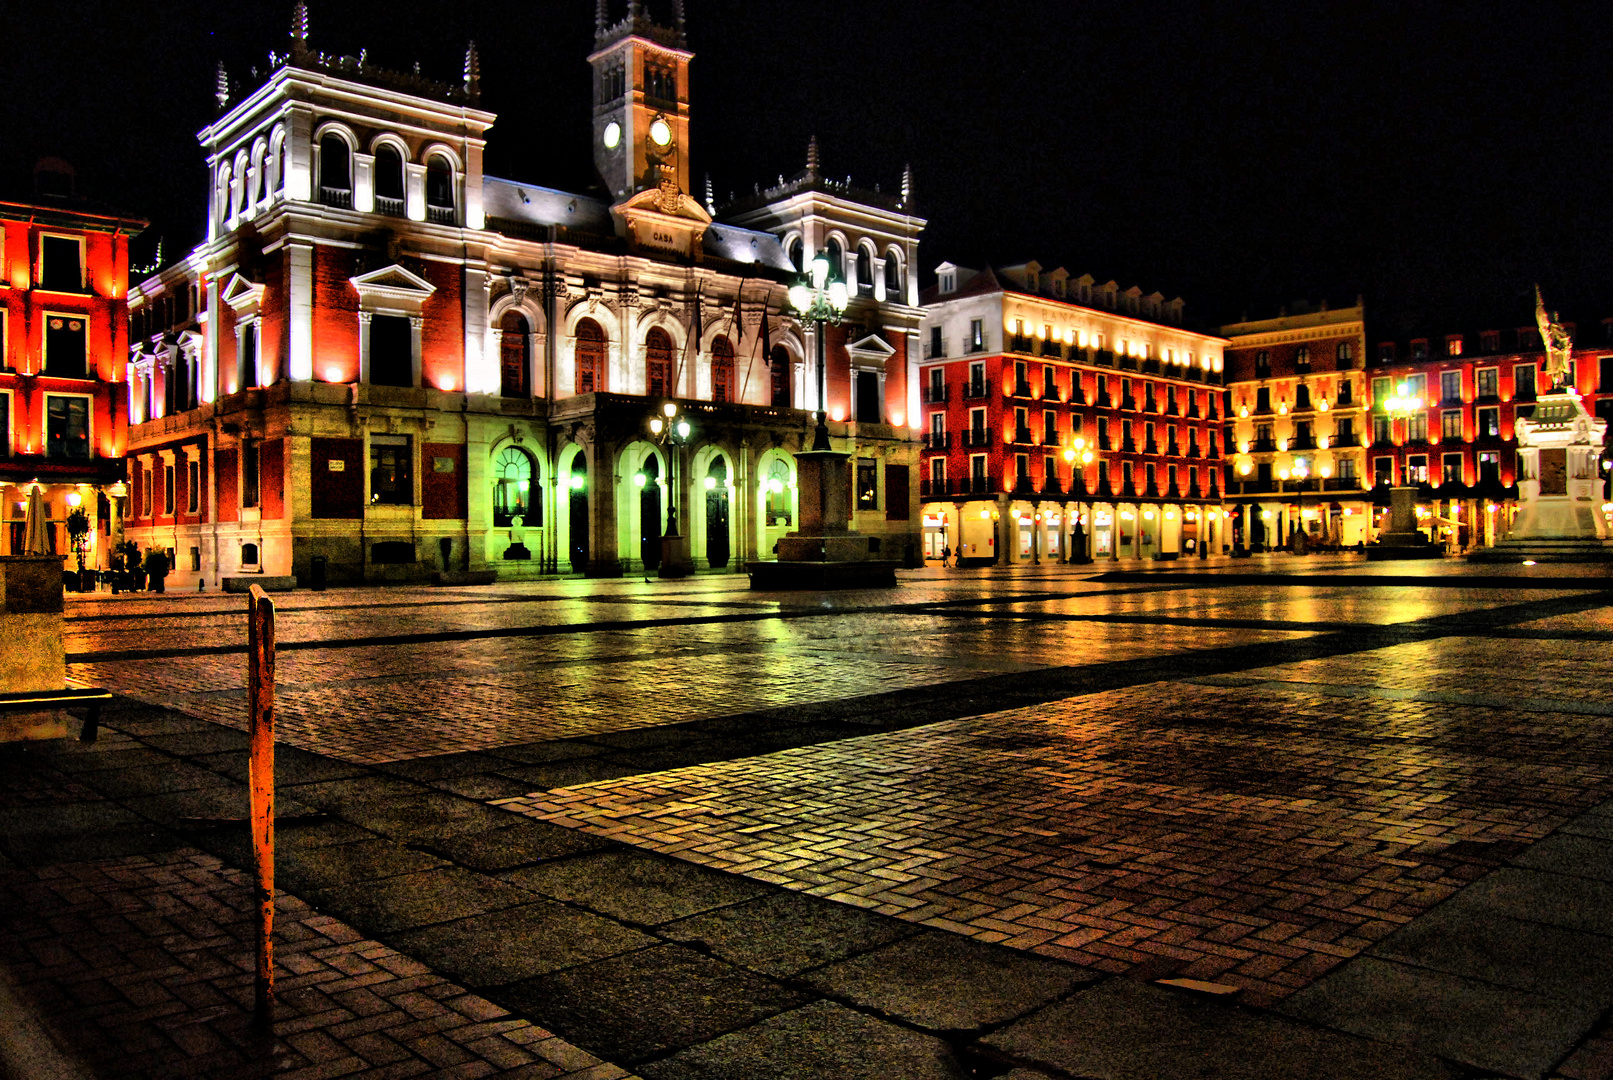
[(1272, 818)]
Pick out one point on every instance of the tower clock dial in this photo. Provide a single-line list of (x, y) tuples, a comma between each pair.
[(660, 132), (613, 135)]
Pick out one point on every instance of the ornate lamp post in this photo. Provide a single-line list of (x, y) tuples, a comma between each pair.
[(671, 432), (1402, 539), (820, 301)]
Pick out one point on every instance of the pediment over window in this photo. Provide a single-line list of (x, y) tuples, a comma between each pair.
[(392, 287), (871, 348), (242, 295)]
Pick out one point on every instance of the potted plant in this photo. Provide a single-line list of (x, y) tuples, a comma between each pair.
[(78, 532)]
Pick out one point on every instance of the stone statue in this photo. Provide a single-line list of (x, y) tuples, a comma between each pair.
[(1558, 343)]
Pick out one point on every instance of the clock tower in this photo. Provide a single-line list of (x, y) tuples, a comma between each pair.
[(641, 101)]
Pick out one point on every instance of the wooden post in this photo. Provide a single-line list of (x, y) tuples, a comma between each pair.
[(260, 772)]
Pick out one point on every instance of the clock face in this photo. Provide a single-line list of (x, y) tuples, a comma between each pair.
[(613, 135), (660, 132)]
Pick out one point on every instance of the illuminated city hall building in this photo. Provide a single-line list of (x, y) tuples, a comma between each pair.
[(1064, 419), (64, 273), (1296, 430), (385, 359)]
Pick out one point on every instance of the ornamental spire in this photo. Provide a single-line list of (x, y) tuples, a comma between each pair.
[(601, 18), (812, 157), (907, 184), (677, 14), (299, 27), (221, 88), (711, 197), (473, 72)]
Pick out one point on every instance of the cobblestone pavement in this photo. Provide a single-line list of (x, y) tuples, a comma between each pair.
[(1248, 773), (146, 962)]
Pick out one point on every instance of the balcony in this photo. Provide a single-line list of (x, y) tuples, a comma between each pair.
[(1052, 486), (1173, 450), (935, 350), (1302, 367), (1021, 390), (441, 215), (1150, 447), (974, 390), (388, 206), (1193, 407), (1150, 365), (930, 488), (1261, 408), (1264, 446), (1302, 442), (1192, 449), (1104, 357), (1341, 483), (938, 440), (1150, 404), (1104, 443), (1128, 446), (341, 197), (1105, 401), (1078, 396), (976, 485), (1193, 491), (1347, 439), (1024, 485), (1128, 488), (976, 438), (936, 395), (1020, 344), (1171, 409), (1022, 437), (1052, 348), (1151, 491), (1129, 402), (1127, 363)]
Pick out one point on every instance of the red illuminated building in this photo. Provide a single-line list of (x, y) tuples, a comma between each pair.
[(64, 272)]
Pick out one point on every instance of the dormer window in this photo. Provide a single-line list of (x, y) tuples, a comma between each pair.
[(1419, 349), (949, 283), (1453, 345)]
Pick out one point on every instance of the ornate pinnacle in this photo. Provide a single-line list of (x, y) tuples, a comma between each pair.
[(907, 184), (221, 88), (677, 13), (473, 72), (812, 157), (711, 196), (299, 26), (601, 18)]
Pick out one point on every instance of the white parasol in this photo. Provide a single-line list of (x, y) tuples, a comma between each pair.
[(35, 538)]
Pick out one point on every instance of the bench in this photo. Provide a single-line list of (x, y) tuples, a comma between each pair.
[(41, 700)]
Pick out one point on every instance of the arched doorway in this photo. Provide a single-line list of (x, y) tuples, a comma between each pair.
[(577, 519), (718, 546), (648, 479), (775, 501)]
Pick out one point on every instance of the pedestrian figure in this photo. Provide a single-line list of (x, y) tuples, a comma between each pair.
[(156, 569), (946, 556)]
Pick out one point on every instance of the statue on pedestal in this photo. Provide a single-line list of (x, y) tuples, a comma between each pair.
[(1559, 344)]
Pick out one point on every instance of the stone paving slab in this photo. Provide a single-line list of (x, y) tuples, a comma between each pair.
[(814, 1042), (1514, 1032), (519, 943), (635, 887), (1125, 1031), (784, 934)]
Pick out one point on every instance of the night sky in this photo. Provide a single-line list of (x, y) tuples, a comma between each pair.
[(1438, 157)]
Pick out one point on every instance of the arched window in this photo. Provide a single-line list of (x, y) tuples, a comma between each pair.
[(658, 355), (794, 253), (514, 355), (280, 166), (780, 367), (223, 196), (837, 260), (516, 494), (335, 174), (590, 357), (722, 370), (865, 270), (260, 182), (439, 190), (389, 181), (893, 276)]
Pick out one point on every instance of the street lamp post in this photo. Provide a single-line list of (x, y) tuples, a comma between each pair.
[(1402, 539), (822, 302), (671, 432)]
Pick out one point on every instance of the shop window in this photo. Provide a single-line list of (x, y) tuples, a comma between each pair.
[(515, 491), (867, 484), (67, 427), (391, 472)]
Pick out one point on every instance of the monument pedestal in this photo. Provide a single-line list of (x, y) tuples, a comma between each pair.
[(823, 553), (1402, 540), (31, 655), (1560, 515)]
